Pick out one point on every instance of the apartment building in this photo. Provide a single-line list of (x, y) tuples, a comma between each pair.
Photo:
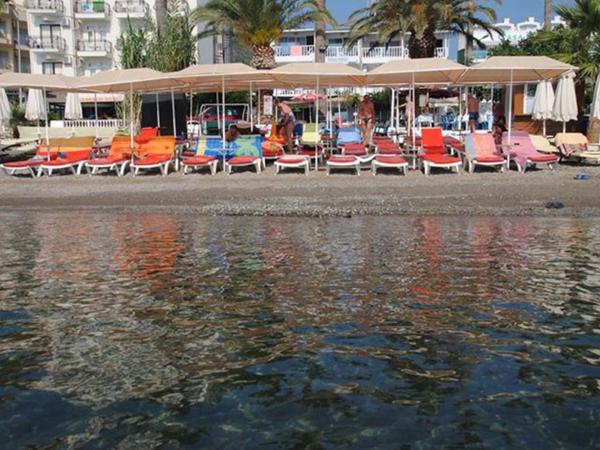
[(512, 32), (298, 46), (80, 37), (14, 41)]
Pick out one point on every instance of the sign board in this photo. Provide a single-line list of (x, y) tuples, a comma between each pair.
[(268, 105)]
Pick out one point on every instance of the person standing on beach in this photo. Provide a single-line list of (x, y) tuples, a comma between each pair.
[(473, 109), (287, 123), (366, 115)]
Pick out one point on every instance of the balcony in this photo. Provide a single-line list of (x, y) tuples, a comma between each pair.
[(96, 49), (441, 52), (380, 55), (92, 9), (295, 53), (340, 54), (55, 44), (45, 6), (130, 9)]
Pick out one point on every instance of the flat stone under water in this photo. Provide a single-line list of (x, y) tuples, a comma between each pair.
[(177, 331)]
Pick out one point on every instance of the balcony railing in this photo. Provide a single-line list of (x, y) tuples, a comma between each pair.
[(337, 51), (100, 45), (385, 53), (130, 7), (45, 5), (47, 43), (92, 7), (295, 51), (441, 52)]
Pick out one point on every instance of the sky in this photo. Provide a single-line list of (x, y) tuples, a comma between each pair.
[(516, 10)]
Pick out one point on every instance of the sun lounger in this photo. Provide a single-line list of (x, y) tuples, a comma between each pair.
[(387, 147), (73, 160), (542, 144), (292, 162), (157, 153), (575, 146), (343, 162), (271, 151), (310, 144), (434, 152), (245, 151), (200, 161), (57, 145), (480, 150), (145, 135), (389, 162), (118, 158), (520, 149)]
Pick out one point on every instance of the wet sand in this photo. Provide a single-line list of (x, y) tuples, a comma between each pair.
[(292, 194)]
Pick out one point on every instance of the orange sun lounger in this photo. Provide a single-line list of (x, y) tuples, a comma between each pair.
[(157, 153), (434, 152)]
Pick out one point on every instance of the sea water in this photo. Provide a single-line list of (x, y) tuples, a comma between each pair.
[(178, 331)]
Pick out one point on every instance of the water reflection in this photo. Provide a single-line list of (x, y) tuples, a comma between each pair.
[(180, 331)]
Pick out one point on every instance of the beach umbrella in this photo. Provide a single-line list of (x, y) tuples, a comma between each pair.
[(73, 109), (565, 103), (595, 107), (5, 110), (543, 104), (35, 108), (514, 70)]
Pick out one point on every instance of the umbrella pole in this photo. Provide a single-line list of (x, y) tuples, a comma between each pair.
[(317, 126), (157, 111), (46, 123), (544, 127), (510, 106), (339, 108), (414, 111), (251, 110), (191, 109), (491, 125), (131, 116), (173, 113), (96, 113), (392, 108), (223, 112)]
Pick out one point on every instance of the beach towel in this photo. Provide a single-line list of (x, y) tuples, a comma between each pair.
[(481, 147), (521, 148), (570, 143), (349, 136)]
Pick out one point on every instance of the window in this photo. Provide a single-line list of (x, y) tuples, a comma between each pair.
[(52, 68), (529, 98)]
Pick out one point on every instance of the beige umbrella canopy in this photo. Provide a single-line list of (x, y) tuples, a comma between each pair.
[(417, 71), (207, 76), (123, 80), (515, 69), (13, 80), (328, 74)]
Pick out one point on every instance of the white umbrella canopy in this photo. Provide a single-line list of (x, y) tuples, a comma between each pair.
[(5, 111), (35, 108), (37, 81), (418, 71), (565, 103), (73, 109), (543, 104)]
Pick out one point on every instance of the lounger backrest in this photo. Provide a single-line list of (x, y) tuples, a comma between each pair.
[(245, 146), (480, 145), (210, 146), (432, 140), (74, 155), (349, 136), (570, 139), (542, 144), (159, 145), (148, 132), (520, 143), (121, 145)]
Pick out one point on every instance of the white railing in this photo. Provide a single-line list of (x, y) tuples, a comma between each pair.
[(295, 50), (337, 51), (385, 53), (441, 52), (130, 7), (91, 123)]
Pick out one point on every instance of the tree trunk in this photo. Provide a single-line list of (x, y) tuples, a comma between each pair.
[(422, 48), (160, 10), (469, 43), (548, 9), (320, 38), (263, 57)]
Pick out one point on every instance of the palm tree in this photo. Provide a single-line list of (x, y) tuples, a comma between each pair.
[(392, 19), (320, 39), (548, 8), (257, 24)]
